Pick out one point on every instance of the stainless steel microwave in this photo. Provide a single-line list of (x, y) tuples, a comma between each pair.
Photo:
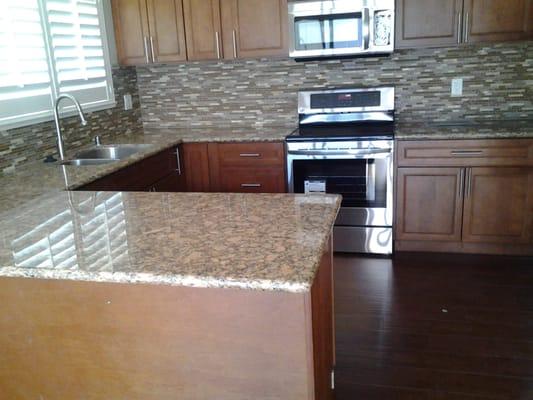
[(340, 27)]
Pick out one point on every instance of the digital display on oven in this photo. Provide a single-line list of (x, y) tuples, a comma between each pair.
[(346, 99)]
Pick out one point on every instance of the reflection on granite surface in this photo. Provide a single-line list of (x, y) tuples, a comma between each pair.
[(268, 242), (502, 129)]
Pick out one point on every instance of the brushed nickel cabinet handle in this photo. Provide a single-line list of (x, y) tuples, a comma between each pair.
[(459, 18), (249, 155), (250, 185), (461, 183), (467, 22), (177, 153), (468, 189), (152, 48), (466, 153), (146, 53), (234, 44), (217, 40)]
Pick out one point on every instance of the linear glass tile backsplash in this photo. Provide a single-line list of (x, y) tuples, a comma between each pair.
[(35, 142), (498, 83)]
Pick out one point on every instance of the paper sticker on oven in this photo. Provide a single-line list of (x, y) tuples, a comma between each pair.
[(314, 186)]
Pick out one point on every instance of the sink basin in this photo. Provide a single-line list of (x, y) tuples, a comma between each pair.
[(88, 161), (111, 152)]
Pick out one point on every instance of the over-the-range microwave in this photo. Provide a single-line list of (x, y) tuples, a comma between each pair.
[(340, 27)]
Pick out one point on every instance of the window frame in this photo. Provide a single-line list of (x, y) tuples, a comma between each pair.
[(68, 109)]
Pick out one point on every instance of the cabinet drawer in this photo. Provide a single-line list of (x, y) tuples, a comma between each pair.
[(494, 152), (262, 180), (251, 154)]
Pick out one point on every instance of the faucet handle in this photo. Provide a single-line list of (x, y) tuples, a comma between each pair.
[(97, 141)]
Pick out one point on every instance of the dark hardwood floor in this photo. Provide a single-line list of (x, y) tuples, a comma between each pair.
[(432, 327)]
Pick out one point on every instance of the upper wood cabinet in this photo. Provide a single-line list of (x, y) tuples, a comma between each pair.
[(497, 20), (498, 205), (427, 23), (203, 29), (131, 31), (254, 28), (432, 23), (167, 31), (149, 31)]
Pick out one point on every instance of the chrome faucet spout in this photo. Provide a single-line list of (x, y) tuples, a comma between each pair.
[(58, 126)]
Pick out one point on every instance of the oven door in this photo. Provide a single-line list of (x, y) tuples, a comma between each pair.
[(363, 176)]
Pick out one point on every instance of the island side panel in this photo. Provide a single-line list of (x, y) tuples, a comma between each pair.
[(323, 326), (73, 340)]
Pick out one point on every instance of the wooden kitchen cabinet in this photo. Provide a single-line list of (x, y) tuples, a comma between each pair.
[(428, 23), (167, 30), (472, 196), (149, 31), (247, 167), (498, 205), (159, 172), (131, 31), (203, 29), (429, 204), (196, 167), (433, 23), (254, 28), (497, 20)]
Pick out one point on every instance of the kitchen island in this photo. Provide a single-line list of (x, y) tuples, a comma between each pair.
[(167, 295)]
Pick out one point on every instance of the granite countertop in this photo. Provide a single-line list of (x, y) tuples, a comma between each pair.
[(252, 241), (521, 129), (35, 179)]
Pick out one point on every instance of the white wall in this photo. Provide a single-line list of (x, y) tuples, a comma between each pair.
[(110, 32)]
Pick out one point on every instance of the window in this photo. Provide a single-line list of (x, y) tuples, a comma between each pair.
[(49, 47)]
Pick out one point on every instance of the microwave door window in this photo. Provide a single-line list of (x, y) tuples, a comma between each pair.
[(326, 32)]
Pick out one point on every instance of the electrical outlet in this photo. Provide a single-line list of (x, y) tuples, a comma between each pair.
[(128, 102), (457, 87)]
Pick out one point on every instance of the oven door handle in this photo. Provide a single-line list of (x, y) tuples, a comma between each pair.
[(340, 153)]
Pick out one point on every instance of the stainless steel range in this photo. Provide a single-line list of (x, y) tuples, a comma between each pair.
[(345, 145)]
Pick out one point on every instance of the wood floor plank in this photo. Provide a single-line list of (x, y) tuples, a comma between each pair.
[(426, 326)]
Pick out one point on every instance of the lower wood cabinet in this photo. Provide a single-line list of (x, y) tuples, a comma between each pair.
[(477, 208), (498, 205), (247, 167), (159, 172), (204, 167), (429, 204)]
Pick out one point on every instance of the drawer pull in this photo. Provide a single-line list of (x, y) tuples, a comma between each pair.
[(249, 155), (467, 153), (250, 185)]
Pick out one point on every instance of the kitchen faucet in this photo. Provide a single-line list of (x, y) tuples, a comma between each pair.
[(56, 118)]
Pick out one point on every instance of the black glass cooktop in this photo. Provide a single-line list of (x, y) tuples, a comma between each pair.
[(343, 132)]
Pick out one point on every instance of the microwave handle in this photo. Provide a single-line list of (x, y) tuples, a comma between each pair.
[(366, 28)]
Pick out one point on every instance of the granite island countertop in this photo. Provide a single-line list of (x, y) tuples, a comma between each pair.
[(250, 241), (520, 129)]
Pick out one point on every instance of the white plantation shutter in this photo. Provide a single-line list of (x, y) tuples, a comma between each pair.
[(25, 84), (78, 49), (49, 47)]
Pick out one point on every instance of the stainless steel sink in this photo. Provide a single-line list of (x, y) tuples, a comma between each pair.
[(111, 152), (88, 161)]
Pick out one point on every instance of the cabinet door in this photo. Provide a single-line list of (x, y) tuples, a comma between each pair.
[(427, 23), (495, 20), (167, 31), (429, 204), (498, 205), (203, 30), (254, 28), (131, 31), (196, 167)]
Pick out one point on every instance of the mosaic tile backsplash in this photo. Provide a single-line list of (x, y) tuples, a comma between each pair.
[(498, 83), (35, 142)]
